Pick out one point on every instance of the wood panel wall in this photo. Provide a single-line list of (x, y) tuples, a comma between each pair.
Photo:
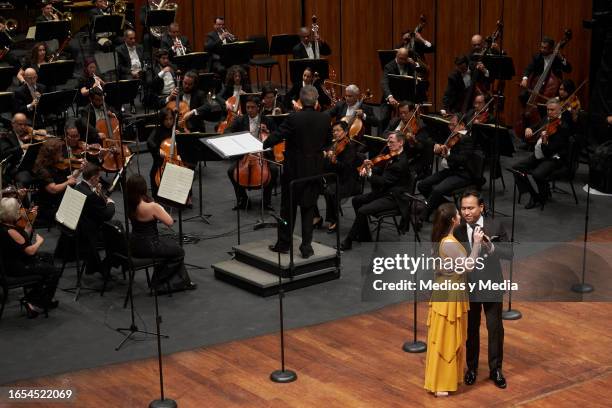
[(355, 29)]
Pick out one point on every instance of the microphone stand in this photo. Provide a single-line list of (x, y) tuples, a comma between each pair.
[(512, 314), (260, 224), (283, 375), (583, 287)]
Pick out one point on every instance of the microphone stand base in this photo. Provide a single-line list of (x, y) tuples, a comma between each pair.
[(262, 224), (582, 288), (511, 314), (414, 347), (165, 403), (283, 376)]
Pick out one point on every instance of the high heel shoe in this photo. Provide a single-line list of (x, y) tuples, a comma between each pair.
[(32, 311), (318, 223), (332, 228)]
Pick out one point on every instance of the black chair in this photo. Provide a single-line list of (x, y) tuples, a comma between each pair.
[(9, 282), (117, 254), (263, 58), (567, 173)]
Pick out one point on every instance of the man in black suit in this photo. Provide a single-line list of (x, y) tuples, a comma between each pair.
[(13, 145), (543, 59), (403, 64), (214, 43), (46, 13), (130, 57), (352, 106), (389, 182), (494, 249), (307, 49), (459, 92), (24, 100), (174, 42), (200, 107), (97, 210), (89, 115), (550, 154), (306, 133), (249, 123), (163, 80), (461, 166)]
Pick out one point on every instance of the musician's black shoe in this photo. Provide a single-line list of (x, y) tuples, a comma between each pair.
[(346, 245), (470, 377), (306, 251), (498, 378), (533, 202), (242, 205), (277, 248)]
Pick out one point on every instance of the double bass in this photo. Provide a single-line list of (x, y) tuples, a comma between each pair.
[(545, 85)]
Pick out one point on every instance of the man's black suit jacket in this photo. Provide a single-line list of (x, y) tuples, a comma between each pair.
[(95, 211), (338, 111), (306, 133), (23, 97), (492, 263), (455, 93), (167, 43), (124, 63), (536, 66), (299, 51), (10, 148)]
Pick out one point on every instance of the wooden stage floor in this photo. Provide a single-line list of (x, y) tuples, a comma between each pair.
[(557, 355)]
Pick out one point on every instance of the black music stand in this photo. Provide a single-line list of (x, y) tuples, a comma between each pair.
[(385, 56), (56, 102), (209, 82), (159, 18), (282, 44), (192, 150), (56, 73), (402, 87), (107, 24), (6, 77), (121, 92), (52, 30), (7, 102), (237, 53), (194, 60), (297, 67), (437, 127)]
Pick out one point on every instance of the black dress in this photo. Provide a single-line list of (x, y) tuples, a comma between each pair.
[(17, 264), (145, 242), (49, 203)]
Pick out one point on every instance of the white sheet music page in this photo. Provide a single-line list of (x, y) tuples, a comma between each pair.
[(236, 144), (175, 183), (70, 209)]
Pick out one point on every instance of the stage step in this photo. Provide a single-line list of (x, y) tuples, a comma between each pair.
[(255, 268), (258, 255)]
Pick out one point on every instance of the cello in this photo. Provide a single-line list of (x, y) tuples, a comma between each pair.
[(253, 170), (169, 151), (179, 106), (116, 151), (546, 86)]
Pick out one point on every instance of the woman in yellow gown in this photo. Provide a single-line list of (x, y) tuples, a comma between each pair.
[(447, 318)]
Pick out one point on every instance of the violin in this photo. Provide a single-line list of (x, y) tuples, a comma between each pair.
[(412, 125), (377, 161), (338, 148)]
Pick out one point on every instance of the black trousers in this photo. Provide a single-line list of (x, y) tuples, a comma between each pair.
[(540, 170), (365, 205), (495, 333), (439, 184), (240, 191), (306, 212)]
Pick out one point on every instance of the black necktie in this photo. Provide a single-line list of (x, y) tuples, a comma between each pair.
[(473, 226)]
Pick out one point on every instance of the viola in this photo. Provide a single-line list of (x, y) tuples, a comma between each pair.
[(354, 123), (338, 148)]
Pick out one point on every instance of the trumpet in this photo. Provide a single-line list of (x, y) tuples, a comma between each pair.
[(58, 15), (228, 36), (10, 26), (178, 47)]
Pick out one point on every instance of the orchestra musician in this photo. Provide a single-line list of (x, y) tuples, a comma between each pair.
[(305, 49), (419, 146), (90, 115), (461, 166), (154, 141), (269, 98), (572, 106), (459, 92), (200, 107), (543, 59), (13, 145), (250, 122), (163, 82), (236, 83), (75, 148), (550, 153), (388, 182), (9, 56), (175, 43), (308, 78), (22, 258), (38, 56), (130, 57), (47, 13), (53, 177), (306, 134), (145, 241), (28, 95), (349, 106), (90, 79), (344, 162), (214, 42), (421, 45)]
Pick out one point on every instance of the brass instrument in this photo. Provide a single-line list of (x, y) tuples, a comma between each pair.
[(11, 25), (229, 36), (119, 7), (58, 15), (178, 47), (159, 31)]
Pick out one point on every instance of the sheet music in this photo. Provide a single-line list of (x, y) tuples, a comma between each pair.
[(31, 33), (175, 183), (236, 144), (70, 209)]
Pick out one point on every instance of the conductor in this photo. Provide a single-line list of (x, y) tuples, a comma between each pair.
[(306, 133)]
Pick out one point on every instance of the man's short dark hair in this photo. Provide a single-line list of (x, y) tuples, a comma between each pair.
[(162, 52), (253, 98), (462, 59), (398, 135), (90, 170), (409, 104), (549, 41), (193, 75), (472, 193), (342, 124), (218, 18)]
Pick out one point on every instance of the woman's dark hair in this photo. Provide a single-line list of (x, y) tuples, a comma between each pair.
[(136, 192), (34, 52), (163, 112), (442, 223), (48, 155), (229, 77), (88, 61)]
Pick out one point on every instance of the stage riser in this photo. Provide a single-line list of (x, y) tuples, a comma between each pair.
[(284, 271)]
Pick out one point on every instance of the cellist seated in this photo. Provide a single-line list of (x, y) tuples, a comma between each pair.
[(250, 122), (89, 115)]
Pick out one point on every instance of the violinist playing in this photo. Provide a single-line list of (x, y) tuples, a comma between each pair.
[(342, 159), (389, 176), (461, 166), (419, 147), (13, 146), (309, 77), (570, 104), (550, 154), (351, 106), (249, 123), (54, 175)]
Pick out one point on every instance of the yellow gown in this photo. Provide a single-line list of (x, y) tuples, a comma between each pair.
[(446, 334)]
